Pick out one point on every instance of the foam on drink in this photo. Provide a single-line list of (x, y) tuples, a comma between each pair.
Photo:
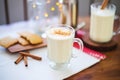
[(59, 33)]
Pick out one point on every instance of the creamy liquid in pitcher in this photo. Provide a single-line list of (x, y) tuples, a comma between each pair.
[(60, 41), (101, 28)]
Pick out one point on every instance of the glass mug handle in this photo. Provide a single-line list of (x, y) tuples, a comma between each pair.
[(80, 43), (117, 31), (117, 23)]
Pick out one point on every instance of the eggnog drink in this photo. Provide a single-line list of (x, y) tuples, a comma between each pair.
[(60, 41), (101, 28)]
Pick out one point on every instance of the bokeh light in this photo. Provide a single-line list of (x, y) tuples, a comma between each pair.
[(46, 15), (37, 17), (57, 3), (34, 6), (52, 9)]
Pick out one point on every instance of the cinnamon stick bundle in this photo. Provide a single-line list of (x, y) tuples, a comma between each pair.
[(24, 55)]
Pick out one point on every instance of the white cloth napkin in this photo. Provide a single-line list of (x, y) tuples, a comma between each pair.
[(40, 70)]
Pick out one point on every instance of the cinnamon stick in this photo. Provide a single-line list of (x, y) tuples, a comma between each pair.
[(31, 55), (25, 61), (104, 4), (19, 59)]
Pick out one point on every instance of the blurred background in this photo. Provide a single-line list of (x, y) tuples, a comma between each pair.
[(19, 10)]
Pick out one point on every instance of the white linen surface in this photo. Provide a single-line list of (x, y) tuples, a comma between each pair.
[(36, 70)]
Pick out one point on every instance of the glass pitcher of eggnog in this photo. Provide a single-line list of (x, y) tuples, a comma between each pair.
[(102, 21)]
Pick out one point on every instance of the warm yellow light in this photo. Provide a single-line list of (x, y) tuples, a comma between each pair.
[(57, 3), (37, 17), (34, 5), (52, 9), (46, 15)]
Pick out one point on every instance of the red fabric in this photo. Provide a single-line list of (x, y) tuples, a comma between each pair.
[(93, 53), (96, 54), (80, 33)]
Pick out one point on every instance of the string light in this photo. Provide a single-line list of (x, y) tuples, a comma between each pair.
[(34, 6), (37, 17), (57, 3), (46, 15), (52, 9)]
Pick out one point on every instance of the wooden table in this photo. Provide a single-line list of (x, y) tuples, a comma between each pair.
[(108, 69)]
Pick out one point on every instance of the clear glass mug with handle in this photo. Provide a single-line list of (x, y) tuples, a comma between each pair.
[(102, 23), (60, 39)]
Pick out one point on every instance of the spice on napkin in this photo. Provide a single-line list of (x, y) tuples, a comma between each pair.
[(24, 55)]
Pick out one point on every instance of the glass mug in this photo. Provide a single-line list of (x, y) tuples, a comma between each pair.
[(102, 22), (60, 40)]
